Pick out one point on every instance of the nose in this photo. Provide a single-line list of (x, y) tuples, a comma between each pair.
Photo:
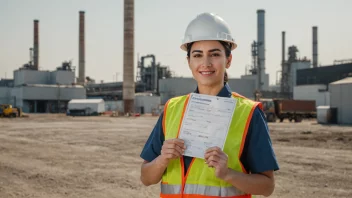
[(207, 62)]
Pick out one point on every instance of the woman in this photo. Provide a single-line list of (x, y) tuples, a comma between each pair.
[(246, 164)]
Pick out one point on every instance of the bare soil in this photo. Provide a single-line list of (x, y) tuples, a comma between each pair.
[(74, 157)]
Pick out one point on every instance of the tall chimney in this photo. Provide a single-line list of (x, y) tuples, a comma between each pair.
[(36, 45), (283, 46), (261, 48), (315, 46), (81, 64), (128, 54), (283, 69)]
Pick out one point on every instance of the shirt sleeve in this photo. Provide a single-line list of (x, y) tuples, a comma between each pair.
[(258, 155), (152, 147)]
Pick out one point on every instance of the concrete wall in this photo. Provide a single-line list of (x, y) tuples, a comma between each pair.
[(5, 95), (31, 77), (148, 103), (48, 93), (255, 78), (43, 77), (312, 92), (114, 105), (340, 97), (245, 87), (62, 77), (294, 67), (172, 87)]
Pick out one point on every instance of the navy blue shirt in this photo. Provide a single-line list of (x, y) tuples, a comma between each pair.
[(257, 155)]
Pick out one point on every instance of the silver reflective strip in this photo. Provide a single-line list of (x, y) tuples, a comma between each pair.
[(170, 189), (212, 190)]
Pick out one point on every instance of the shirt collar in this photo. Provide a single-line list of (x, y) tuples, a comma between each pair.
[(224, 92)]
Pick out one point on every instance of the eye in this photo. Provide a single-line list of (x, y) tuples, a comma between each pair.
[(197, 55), (215, 54)]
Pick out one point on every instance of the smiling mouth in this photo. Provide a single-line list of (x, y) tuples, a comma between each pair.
[(206, 73)]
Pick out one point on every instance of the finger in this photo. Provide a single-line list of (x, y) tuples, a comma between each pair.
[(214, 152), (224, 156), (179, 142), (212, 164), (214, 158), (214, 148), (175, 147), (173, 151)]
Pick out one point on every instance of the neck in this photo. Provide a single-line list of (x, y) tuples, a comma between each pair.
[(210, 90)]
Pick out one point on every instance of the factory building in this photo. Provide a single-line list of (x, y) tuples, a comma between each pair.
[(42, 91), (319, 93), (340, 98), (324, 75)]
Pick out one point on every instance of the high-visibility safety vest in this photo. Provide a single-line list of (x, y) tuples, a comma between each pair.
[(200, 180)]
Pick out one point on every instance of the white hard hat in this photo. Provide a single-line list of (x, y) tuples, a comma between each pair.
[(207, 26)]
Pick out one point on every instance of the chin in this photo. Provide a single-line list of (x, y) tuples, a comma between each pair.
[(207, 82)]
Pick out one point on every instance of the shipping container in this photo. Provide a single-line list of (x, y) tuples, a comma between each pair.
[(294, 109), (326, 115), (86, 107)]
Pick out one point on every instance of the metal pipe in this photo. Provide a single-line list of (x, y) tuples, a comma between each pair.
[(81, 50), (315, 46), (261, 48), (36, 45), (128, 66)]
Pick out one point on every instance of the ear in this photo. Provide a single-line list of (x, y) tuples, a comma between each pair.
[(229, 59)]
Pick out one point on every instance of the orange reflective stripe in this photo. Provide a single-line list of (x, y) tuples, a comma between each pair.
[(245, 135), (183, 113), (185, 178), (170, 196), (178, 133), (205, 196), (200, 196), (238, 95), (164, 118)]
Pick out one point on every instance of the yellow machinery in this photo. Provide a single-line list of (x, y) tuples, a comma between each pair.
[(268, 106), (269, 109), (6, 110)]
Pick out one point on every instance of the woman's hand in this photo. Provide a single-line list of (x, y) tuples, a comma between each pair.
[(171, 149), (217, 159)]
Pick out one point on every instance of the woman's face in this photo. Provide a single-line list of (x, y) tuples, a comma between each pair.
[(208, 62)]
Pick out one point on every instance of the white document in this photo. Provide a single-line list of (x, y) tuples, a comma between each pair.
[(206, 123)]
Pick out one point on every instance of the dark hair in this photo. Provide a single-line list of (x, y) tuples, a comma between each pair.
[(227, 46)]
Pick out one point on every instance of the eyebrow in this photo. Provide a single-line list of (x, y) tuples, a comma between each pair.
[(212, 50)]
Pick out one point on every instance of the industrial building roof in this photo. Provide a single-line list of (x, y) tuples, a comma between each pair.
[(347, 80), (50, 85), (86, 101)]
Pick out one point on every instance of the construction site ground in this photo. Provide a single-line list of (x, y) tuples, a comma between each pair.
[(57, 156)]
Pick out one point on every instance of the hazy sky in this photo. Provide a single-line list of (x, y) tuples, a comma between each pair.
[(159, 27)]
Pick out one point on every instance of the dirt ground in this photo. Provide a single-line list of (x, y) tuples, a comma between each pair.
[(63, 157)]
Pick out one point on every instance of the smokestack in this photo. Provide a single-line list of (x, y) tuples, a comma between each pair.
[(81, 50), (283, 47), (261, 48), (315, 46), (128, 54), (283, 62), (36, 45)]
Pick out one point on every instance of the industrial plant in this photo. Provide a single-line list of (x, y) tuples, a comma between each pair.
[(37, 91), (66, 133)]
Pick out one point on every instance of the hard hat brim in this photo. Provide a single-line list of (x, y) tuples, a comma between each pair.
[(184, 45)]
